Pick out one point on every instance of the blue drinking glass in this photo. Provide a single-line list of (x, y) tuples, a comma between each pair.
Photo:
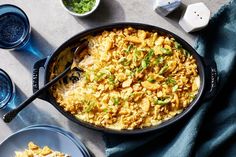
[(14, 27), (7, 89)]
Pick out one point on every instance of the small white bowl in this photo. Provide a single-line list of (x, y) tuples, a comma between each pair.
[(81, 15)]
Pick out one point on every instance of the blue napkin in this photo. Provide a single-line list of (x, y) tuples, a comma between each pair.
[(211, 130)]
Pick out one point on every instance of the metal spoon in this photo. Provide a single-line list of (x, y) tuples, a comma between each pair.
[(9, 116)]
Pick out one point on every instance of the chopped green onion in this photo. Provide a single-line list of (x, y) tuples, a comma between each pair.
[(163, 69), (139, 69), (151, 79), (144, 64), (135, 58), (122, 60), (166, 51), (127, 63), (149, 54), (174, 89), (146, 61), (99, 76), (89, 105), (116, 101), (136, 54), (111, 79), (159, 60), (129, 48), (192, 96), (162, 102), (137, 51), (87, 77), (177, 45), (186, 53), (79, 6), (170, 80)]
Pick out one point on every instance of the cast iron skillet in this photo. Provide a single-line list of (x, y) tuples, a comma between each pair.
[(207, 71)]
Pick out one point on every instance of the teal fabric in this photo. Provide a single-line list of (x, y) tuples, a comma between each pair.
[(211, 130)]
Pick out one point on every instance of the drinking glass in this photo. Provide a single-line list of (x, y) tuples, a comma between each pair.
[(14, 27), (7, 89)]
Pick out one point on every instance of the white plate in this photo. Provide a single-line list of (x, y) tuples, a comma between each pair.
[(42, 137)]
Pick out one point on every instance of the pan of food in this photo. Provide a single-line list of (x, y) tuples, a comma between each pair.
[(136, 78)]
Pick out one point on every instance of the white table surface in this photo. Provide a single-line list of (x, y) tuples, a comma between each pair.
[(51, 26)]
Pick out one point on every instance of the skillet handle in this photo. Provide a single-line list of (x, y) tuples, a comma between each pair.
[(35, 78), (212, 78)]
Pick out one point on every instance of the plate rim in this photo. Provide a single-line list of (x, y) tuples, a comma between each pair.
[(29, 128)]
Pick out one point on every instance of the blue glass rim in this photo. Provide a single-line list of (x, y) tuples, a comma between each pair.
[(26, 20), (11, 88)]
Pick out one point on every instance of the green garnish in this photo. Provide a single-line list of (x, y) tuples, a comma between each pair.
[(129, 48), (89, 105), (163, 69), (185, 52), (162, 101), (87, 75), (127, 63), (136, 54), (170, 80), (139, 69), (79, 6), (99, 76), (144, 64), (159, 60), (192, 96), (149, 55), (166, 51), (111, 79), (116, 101), (177, 45), (146, 61), (151, 79), (174, 89), (122, 60)]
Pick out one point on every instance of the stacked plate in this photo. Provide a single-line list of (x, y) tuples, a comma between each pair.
[(44, 135)]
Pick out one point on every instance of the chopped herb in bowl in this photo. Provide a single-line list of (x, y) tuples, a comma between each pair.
[(80, 7)]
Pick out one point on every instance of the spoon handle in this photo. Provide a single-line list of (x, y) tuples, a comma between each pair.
[(9, 116)]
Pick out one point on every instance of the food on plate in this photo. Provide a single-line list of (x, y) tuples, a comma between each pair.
[(35, 151), (132, 79)]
